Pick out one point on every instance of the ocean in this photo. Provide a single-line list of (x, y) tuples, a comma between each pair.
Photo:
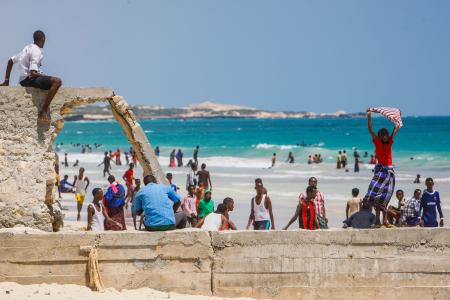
[(237, 151), (251, 142)]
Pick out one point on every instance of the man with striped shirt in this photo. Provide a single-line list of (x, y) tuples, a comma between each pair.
[(319, 203), (306, 212)]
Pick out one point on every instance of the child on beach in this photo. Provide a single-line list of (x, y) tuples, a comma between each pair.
[(81, 183), (137, 188), (229, 205), (215, 221), (306, 212), (97, 215), (206, 206), (353, 205), (394, 214), (189, 207), (382, 184), (411, 210), (261, 214), (429, 203), (169, 177)]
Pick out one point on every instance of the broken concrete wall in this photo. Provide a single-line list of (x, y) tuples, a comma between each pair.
[(410, 263), (27, 174)]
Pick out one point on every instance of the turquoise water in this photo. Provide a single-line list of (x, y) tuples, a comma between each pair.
[(426, 139)]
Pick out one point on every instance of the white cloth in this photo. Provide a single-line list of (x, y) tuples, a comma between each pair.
[(260, 211), (190, 178), (212, 222), (30, 58), (392, 114), (98, 219), (80, 187)]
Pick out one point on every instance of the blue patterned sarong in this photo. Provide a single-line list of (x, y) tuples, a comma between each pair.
[(381, 187)]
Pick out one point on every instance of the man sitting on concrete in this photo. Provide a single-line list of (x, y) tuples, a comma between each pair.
[(362, 219), (30, 61), (160, 203)]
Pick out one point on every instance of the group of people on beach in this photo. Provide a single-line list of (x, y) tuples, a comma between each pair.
[(165, 210)]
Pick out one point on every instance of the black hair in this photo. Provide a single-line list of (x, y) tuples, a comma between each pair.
[(111, 178), (149, 179), (227, 200), (95, 191), (168, 174), (400, 191), (203, 165), (258, 180), (311, 178), (106, 152), (38, 35), (221, 208), (191, 186), (417, 190), (309, 189), (355, 192), (383, 131)]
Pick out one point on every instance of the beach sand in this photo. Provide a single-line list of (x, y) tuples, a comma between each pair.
[(284, 184), (14, 291)]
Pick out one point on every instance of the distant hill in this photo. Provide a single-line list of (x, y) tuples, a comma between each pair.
[(205, 109)]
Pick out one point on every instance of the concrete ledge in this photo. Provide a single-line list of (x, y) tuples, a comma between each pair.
[(411, 263)]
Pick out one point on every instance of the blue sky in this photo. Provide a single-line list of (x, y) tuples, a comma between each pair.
[(280, 55)]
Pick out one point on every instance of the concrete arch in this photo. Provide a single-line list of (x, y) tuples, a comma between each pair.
[(27, 174)]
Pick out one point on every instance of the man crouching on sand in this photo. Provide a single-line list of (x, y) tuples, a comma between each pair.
[(30, 61)]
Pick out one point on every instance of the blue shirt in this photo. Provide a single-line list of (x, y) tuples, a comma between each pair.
[(429, 202), (157, 200)]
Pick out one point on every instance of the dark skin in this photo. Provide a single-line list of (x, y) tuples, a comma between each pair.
[(384, 138), (309, 197), (79, 177), (230, 207), (313, 182), (96, 201), (55, 85), (260, 191), (223, 223), (430, 189)]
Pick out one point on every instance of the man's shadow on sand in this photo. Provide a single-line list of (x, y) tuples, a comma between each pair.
[(38, 97)]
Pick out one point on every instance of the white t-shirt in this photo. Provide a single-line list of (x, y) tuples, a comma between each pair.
[(30, 58), (212, 222)]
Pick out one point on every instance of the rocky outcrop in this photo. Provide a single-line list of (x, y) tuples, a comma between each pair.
[(27, 175)]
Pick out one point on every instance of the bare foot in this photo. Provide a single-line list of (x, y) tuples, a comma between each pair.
[(43, 118)]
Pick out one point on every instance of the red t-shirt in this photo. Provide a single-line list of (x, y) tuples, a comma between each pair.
[(383, 151)]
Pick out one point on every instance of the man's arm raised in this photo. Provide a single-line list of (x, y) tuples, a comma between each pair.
[(8, 73)]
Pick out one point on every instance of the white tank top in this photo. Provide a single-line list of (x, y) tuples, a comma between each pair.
[(212, 222), (98, 219), (80, 186), (260, 211)]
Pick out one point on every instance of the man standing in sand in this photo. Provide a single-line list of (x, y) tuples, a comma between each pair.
[(81, 184), (319, 202), (261, 214), (30, 61)]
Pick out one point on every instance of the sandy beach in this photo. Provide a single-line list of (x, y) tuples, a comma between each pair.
[(284, 183), (14, 291)]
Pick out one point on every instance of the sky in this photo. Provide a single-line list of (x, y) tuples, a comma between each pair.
[(300, 55)]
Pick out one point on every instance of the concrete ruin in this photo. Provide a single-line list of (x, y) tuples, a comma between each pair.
[(404, 263), (27, 176)]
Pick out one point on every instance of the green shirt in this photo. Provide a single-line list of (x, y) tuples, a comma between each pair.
[(205, 208)]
